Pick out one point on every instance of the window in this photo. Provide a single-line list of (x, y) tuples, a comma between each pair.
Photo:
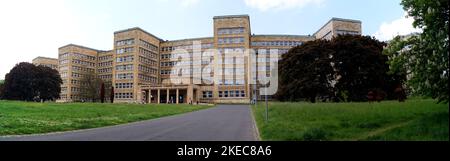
[(125, 50), (207, 94), (231, 40), (125, 42), (128, 67), (124, 59), (227, 31), (124, 76), (124, 85)]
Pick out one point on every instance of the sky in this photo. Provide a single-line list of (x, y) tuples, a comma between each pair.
[(31, 28)]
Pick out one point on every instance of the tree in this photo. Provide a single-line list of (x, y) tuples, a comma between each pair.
[(28, 82), (1, 88), (91, 84), (426, 57), (360, 67), (111, 96), (20, 82), (347, 68), (305, 72), (102, 93), (48, 83)]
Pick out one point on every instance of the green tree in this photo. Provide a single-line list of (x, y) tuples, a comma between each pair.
[(346, 68), (305, 72), (1, 88), (48, 83), (90, 86), (360, 67), (20, 82), (427, 56), (28, 82)]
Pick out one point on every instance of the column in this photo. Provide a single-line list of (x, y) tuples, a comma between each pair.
[(168, 95), (178, 96), (159, 96), (149, 99)]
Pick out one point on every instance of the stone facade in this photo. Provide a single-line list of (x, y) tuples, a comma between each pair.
[(48, 62), (141, 66)]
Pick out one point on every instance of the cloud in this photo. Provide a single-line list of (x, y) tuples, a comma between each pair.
[(265, 5), (401, 26)]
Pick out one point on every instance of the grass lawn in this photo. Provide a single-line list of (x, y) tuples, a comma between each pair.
[(17, 118), (414, 120)]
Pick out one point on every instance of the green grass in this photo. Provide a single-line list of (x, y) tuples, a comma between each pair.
[(17, 118), (414, 120)]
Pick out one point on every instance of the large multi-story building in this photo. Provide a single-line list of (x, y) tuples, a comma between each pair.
[(217, 69), (47, 62)]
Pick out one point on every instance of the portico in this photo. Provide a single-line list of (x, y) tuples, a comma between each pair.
[(175, 94)]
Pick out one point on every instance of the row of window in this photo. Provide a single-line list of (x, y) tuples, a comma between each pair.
[(107, 57), (149, 45), (228, 94), (82, 62), (231, 82), (147, 61), (125, 42), (168, 64), (105, 77), (227, 31), (147, 69), (124, 76), (231, 40), (105, 64), (125, 59), (207, 94), (277, 43), (128, 67), (76, 55), (83, 56), (147, 53), (105, 70), (125, 50), (82, 69), (123, 95), (187, 47), (148, 78), (124, 85), (346, 32)]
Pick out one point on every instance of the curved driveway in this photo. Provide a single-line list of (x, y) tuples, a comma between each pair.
[(221, 123)]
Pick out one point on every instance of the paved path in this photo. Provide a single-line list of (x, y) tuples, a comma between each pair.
[(221, 123)]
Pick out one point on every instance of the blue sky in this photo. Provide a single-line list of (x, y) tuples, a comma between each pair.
[(33, 28)]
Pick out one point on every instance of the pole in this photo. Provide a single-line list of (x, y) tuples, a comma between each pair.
[(267, 105)]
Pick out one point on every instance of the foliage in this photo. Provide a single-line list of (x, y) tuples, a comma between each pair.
[(343, 69), (424, 57), (32, 83), (311, 74), (90, 89)]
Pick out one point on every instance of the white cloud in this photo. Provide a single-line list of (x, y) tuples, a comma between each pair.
[(401, 26), (265, 5)]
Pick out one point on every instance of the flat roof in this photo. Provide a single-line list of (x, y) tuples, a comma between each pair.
[(280, 35), (42, 57), (189, 39), (80, 46), (137, 28), (337, 19), (231, 16)]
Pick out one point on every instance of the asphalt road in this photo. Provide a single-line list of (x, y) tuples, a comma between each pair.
[(221, 123)]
